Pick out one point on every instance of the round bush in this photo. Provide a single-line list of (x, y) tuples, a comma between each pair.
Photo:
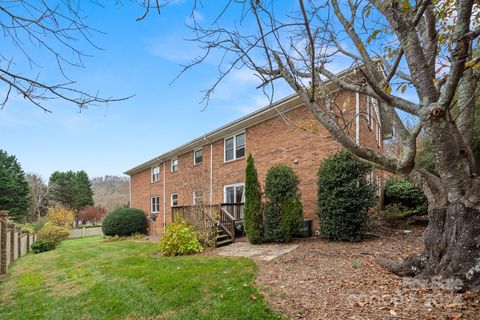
[(124, 222), (42, 246), (179, 239), (53, 234), (405, 194)]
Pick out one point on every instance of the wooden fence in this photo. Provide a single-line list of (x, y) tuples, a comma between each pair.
[(14, 242)]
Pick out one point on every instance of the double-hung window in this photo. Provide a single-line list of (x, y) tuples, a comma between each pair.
[(174, 165), (197, 198), (174, 199), (155, 174), (197, 156), (155, 204), (234, 147)]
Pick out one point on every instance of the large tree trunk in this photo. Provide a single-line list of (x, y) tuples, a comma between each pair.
[(452, 248)]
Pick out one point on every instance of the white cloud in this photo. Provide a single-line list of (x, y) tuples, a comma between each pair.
[(196, 16)]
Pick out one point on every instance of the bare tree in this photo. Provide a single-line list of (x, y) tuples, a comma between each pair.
[(392, 47), (38, 194), (39, 28)]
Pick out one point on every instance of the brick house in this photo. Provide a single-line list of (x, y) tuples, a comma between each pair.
[(211, 168)]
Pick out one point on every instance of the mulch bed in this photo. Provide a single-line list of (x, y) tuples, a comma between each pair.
[(325, 280)]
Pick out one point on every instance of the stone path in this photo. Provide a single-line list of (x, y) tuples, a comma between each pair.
[(265, 252)]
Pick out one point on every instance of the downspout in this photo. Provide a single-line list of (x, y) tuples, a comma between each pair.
[(130, 192), (211, 173), (357, 118), (164, 204)]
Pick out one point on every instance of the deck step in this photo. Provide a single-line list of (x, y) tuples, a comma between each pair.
[(222, 237), (224, 242)]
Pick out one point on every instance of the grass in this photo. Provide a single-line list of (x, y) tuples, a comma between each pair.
[(92, 279)]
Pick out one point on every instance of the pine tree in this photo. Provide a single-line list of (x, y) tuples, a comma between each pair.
[(83, 191), (14, 190), (252, 214)]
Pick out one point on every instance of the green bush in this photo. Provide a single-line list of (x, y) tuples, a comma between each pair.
[(344, 197), (252, 213), (394, 214), (407, 195), (42, 246), (124, 222), (179, 239), (53, 234), (283, 211)]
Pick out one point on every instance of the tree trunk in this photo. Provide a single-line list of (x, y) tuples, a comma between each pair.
[(452, 248)]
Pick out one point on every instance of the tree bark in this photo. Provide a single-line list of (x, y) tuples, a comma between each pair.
[(452, 248)]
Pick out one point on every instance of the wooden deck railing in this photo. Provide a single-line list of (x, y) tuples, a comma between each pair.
[(209, 217), (235, 210)]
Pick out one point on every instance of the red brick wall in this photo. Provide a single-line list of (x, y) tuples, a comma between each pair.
[(301, 144)]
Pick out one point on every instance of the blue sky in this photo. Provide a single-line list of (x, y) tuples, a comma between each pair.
[(139, 58)]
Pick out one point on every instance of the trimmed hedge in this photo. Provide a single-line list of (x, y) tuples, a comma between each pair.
[(283, 211), (124, 222), (344, 197)]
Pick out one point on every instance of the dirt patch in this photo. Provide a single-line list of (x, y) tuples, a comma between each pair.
[(324, 280), (265, 252)]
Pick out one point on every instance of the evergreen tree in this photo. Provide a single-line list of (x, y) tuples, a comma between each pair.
[(252, 214), (71, 189), (14, 191), (344, 197), (83, 191)]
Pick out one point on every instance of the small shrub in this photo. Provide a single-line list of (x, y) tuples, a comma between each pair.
[(124, 222), (394, 214), (179, 239), (252, 213), (344, 197), (60, 216), (407, 195), (357, 264), (283, 211), (136, 236), (42, 246), (53, 234)]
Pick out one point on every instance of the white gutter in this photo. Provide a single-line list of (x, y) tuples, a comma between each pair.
[(164, 203), (357, 118)]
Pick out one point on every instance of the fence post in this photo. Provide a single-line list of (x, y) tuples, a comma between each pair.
[(3, 242), (28, 241), (11, 228), (19, 242)]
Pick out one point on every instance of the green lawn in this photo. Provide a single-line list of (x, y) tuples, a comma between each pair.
[(92, 279)]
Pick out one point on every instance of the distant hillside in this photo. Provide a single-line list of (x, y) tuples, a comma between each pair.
[(110, 191)]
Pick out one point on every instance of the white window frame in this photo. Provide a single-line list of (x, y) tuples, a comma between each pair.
[(234, 136), (241, 184), (171, 199), (195, 197), (195, 158), (172, 166), (155, 206), (369, 111), (154, 177)]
